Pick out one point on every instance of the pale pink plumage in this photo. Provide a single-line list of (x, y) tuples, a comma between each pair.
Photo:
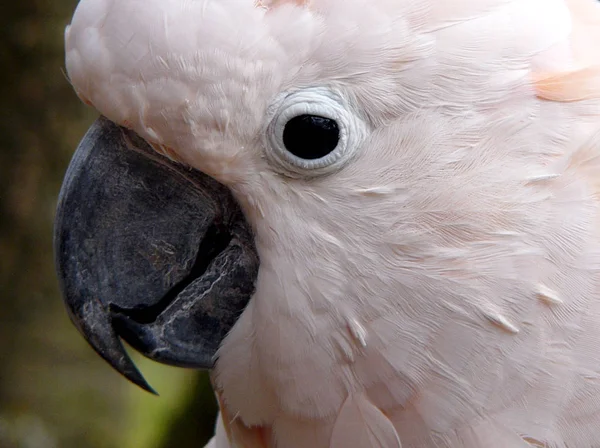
[(441, 289)]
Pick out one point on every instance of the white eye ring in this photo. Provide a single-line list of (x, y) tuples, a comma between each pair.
[(316, 101)]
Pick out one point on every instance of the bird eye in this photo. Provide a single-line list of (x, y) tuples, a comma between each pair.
[(310, 136), (312, 132)]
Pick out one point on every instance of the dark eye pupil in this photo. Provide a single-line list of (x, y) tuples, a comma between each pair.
[(310, 136)]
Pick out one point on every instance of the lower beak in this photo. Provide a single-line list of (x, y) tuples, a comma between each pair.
[(151, 252)]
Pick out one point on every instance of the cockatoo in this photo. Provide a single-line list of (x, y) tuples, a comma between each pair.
[(376, 222)]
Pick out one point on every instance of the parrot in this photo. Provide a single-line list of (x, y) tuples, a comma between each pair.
[(375, 223)]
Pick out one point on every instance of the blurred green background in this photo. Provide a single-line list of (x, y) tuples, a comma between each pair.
[(55, 391)]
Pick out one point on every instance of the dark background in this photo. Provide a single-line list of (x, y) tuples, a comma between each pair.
[(55, 392)]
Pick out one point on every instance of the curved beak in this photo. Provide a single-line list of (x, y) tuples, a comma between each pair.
[(151, 252)]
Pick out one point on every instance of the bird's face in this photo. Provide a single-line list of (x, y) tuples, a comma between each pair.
[(370, 155), (255, 95)]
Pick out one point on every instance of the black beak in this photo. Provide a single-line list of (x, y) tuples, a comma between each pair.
[(151, 252)]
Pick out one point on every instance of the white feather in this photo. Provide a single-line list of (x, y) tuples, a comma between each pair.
[(361, 425)]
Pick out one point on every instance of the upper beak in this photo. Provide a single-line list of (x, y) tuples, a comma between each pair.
[(151, 252)]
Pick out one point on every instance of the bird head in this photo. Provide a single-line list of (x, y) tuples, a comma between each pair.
[(379, 159)]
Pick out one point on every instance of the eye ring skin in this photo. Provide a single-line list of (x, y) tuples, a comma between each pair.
[(319, 101)]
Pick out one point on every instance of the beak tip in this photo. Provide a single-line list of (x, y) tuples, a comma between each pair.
[(118, 358), (138, 379), (94, 322), (125, 366)]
